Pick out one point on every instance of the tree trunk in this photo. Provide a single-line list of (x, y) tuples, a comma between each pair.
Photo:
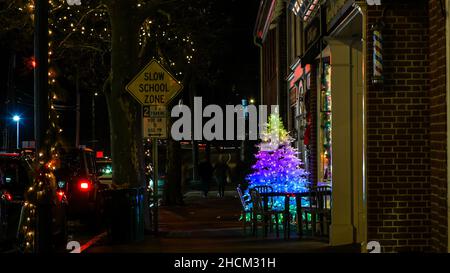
[(124, 111), (173, 189), (77, 109)]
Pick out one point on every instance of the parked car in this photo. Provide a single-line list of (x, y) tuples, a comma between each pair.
[(104, 168), (77, 174), (16, 177)]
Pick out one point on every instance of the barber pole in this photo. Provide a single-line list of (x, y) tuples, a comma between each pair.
[(377, 56)]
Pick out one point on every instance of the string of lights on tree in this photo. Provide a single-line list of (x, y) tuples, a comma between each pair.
[(73, 24), (86, 25)]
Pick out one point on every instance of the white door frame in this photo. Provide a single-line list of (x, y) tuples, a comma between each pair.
[(348, 209), (349, 220)]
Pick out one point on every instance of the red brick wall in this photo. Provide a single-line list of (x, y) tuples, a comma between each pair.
[(398, 146), (438, 128), (270, 80)]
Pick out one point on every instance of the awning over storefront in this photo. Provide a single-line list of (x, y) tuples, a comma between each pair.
[(304, 8), (325, 21), (296, 73)]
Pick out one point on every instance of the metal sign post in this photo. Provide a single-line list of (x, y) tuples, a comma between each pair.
[(154, 87), (155, 127), (155, 183)]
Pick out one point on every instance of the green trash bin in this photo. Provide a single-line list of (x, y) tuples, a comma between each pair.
[(124, 211)]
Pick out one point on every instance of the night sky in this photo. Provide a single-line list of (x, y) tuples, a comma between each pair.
[(240, 79)]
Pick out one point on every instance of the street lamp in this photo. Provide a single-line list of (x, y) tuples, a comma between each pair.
[(16, 118)]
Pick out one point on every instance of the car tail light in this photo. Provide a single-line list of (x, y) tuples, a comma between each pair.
[(7, 196), (84, 185), (60, 194)]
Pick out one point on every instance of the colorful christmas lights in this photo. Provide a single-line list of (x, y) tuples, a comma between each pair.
[(278, 164)]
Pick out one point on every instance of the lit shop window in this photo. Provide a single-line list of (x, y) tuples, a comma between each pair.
[(325, 142), (303, 144)]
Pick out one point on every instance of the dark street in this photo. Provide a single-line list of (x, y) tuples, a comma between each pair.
[(212, 126)]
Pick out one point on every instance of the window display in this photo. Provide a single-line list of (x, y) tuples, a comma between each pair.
[(302, 124), (325, 145)]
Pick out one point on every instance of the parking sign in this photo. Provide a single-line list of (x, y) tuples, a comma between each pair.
[(154, 122)]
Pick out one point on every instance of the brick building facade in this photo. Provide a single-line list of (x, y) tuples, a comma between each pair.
[(438, 126), (398, 142), (270, 36), (398, 129)]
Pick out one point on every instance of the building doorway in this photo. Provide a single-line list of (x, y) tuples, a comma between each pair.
[(341, 96)]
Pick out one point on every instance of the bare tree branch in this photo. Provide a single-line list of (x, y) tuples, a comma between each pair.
[(98, 8), (149, 7), (81, 46)]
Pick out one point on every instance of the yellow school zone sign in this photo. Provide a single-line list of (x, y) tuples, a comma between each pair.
[(154, 85)]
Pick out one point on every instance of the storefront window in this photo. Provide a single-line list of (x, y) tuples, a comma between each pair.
[(325, 145), (301, 124)]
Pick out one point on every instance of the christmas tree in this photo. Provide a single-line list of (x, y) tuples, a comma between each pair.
[(278, 164)]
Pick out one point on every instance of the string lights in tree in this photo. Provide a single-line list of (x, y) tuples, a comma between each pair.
[(78, 28), (80, 31), (161, 39), (171, 45), (36, 194), (61, 28)]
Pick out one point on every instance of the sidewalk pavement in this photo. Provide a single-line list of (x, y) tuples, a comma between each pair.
[(209, 225)]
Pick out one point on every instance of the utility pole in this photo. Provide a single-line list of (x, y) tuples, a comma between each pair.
[(94, 95), (77, 109), (155, 185), (41, 76), (10, 98)]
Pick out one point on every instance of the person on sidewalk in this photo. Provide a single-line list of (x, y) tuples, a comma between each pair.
[(221, 173), (205, 171)]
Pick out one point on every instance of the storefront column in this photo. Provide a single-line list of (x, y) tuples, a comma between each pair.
[(342, 229)]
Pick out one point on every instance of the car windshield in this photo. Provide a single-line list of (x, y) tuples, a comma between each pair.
[(13, 175), (104, 168)]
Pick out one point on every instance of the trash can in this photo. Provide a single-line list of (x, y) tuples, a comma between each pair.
[(124, 211)]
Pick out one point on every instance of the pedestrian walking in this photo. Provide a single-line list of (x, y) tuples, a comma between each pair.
[(222, 174), (205, 171)]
